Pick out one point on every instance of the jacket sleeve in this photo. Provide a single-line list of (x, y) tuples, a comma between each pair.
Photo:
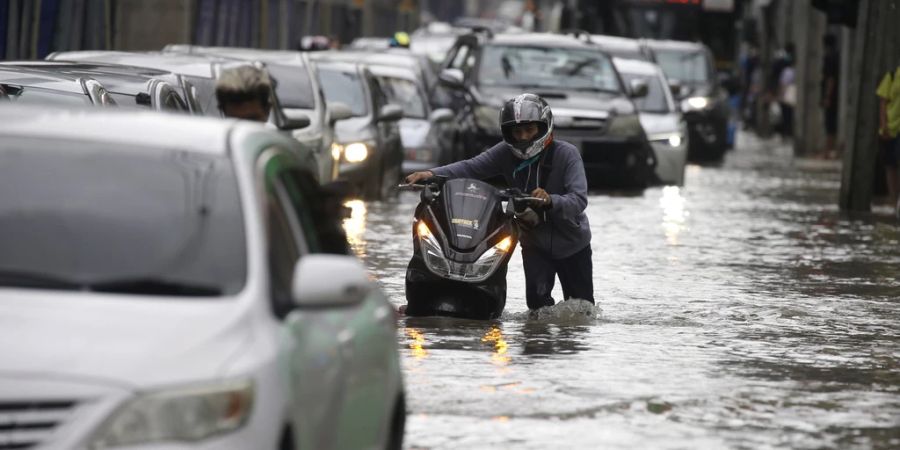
[(480, 167), (574, 201)]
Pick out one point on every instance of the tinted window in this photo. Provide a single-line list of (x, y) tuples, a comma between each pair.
[(38, 96), (528, 67), (292, 86), (655, 101), (141, 221), (345, 87), (404, 93), (685, 66)]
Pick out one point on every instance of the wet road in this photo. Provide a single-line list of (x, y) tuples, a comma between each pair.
[(741, 311)]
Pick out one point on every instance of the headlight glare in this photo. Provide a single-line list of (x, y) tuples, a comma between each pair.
[(336, 150), (356, 152), (695, 103), (188, 415)]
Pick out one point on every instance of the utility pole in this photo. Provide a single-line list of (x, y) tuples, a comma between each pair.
[(876, 51), (809, 28)]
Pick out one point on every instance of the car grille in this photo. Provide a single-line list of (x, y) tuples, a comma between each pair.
[(625, 154), (28, 424)]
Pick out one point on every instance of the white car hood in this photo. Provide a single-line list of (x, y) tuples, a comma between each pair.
[(654, 123), (414, 132), (125, 340)]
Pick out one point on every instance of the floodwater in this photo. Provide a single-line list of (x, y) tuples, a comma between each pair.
[(739, 311)]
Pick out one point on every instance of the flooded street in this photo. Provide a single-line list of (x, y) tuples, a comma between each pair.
[(740, 311)]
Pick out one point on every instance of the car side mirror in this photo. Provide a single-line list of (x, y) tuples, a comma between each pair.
[(322, 280), (390, 113), (338, 111), (639, 88), (441, 115), (675, 87), (453, 78), (294, 122)]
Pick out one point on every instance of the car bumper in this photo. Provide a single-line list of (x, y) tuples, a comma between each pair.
[(670, 162), (612, 162)]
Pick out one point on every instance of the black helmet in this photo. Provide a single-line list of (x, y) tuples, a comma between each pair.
[(527, 108)]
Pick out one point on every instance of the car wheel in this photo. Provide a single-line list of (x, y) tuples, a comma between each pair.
[(398, 424)]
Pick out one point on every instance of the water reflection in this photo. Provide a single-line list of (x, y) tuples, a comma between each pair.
[(495, 337), (355, 226), (540, 338), (674, 213), (416, 343)]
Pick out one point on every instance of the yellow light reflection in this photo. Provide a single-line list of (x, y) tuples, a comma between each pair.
[(674, 213), (500, 418), (417, 343), (355, 226), (495, 336)]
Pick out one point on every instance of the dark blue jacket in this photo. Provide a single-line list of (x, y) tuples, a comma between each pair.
[(566, 230)]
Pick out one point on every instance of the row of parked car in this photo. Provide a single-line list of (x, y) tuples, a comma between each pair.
[(169, 280)]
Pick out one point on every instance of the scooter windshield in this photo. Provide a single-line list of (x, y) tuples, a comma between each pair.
[(471, 207)]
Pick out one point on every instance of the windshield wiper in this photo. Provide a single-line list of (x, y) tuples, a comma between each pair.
[(25, 279), (156, 286)]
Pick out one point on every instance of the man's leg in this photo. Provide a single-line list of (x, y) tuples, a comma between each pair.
[(576, 275), (539, 278)]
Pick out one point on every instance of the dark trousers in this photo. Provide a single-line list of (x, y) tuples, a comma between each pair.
[(575, 275)]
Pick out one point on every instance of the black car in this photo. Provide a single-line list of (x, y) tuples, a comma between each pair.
[(129, 87), (24, 85), (592, 108), (704, 102), (367, 144)]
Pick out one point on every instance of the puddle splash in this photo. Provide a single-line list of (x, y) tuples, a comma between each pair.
[(570, 312)]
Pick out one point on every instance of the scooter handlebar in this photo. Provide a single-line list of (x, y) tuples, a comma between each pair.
[(410, 187)]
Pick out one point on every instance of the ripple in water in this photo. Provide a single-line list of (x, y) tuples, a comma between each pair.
[(570, 312)]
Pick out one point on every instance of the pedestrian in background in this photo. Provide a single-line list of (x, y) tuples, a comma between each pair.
[(787, 98), (889, 128), (831, 67)]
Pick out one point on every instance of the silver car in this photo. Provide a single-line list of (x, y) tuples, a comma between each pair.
[(660, 116), (163, 285)]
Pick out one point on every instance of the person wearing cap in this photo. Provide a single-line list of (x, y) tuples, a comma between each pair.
[(245, 92), (557, 239)]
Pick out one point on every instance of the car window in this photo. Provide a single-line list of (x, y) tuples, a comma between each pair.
[(380, 98), (319, 211), (292, 86), (530, 67), (655, 100), (405, 93), (345, 87), (204, 89), (460, 58), (38, 96), (686, 66), (135, 220), (173, 102)]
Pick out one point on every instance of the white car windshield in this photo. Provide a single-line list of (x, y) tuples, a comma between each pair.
[(528, 67), (143, 221), (685, 66), (344, 87)]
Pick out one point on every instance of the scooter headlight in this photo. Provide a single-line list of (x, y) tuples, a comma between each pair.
[(475, 272)]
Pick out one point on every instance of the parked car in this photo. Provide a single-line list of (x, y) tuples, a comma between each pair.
[(128, 87), (22, 85), (430, 137), (592, 109), (162, 286), (298, 91), (660, 116), (689, 65), (368, 144)]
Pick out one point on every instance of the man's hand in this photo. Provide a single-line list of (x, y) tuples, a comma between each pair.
[(543, 195), (415, 177)]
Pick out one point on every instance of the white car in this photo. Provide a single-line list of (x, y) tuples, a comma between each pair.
[(162, 286), (660, 116)]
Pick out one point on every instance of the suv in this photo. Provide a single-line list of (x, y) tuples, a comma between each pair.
[(592, 108), (689, 68)]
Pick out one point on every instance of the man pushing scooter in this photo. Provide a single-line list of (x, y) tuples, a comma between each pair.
[(557, 241)]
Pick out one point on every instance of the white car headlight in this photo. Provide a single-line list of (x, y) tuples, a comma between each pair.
[(694, 103), (673, 139), (189, 414)]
